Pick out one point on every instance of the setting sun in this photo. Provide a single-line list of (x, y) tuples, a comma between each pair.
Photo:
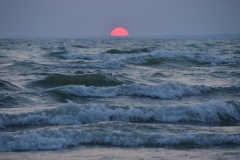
[(119, 32)]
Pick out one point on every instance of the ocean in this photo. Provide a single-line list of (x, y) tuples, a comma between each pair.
[(120, 98)]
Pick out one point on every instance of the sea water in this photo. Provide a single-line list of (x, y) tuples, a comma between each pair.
[(120, 98)]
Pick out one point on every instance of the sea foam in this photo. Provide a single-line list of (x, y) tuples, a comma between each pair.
[(72, 113), (116, 134), (166, 91)]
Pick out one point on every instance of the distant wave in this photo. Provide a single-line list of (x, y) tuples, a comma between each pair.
[(110, 64), (166, 91), (72, 113), (117, 51), (55, 54), (80, 46), (141, 58)]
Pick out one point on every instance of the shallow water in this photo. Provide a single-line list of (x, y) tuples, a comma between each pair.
[(120, 98), (105, 153)]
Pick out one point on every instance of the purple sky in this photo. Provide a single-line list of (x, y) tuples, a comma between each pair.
[(98, 17)]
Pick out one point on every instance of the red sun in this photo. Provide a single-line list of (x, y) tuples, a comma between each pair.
[(119, 32)]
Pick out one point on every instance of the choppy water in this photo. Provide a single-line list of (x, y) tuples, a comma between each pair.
[(160, 97)]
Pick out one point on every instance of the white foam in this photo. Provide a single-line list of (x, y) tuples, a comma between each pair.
[(72, 113), (63, 137), (168, 91)]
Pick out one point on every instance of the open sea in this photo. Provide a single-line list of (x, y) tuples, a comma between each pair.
[(120, 99)]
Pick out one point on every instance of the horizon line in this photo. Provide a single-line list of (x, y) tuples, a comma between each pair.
[(224, 35)]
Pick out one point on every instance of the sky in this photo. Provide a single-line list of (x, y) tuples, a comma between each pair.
[(66, 18)]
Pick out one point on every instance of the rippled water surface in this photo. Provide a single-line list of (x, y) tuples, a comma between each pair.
[(120, 98)]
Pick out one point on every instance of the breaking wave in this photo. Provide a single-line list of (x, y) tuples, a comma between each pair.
[(71, 113), (165, 91), (116, 134)]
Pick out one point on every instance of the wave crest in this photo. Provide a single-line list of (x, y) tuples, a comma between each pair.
[(72, 113), (116, 134), (167, 91)]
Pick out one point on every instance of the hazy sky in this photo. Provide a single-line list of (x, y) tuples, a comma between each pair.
[(99, 17)]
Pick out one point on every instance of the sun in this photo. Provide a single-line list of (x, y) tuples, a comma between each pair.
[(119, 32)]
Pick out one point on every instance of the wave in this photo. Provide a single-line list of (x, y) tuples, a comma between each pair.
[(7, 85), (200, 57), (8, 92), (117, 51), (87, 80), (111, 64), (26, 64), (80, 46), (165, 91), (55, 54), (71, 113), (116, 134), (237, 52), (95, 64)]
